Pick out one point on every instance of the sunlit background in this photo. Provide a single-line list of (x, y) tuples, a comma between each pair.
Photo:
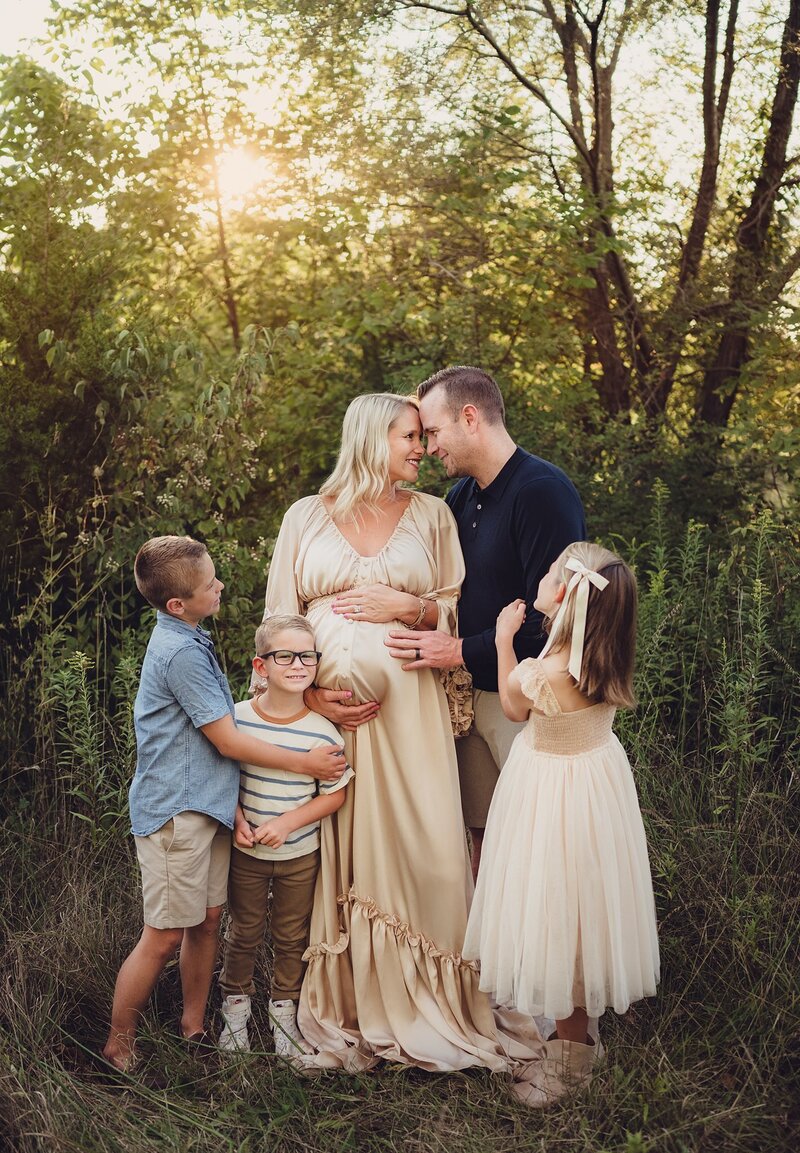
[(214, 233)]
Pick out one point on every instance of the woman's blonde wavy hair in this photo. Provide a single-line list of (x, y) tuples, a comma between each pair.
[(609, 647), (362, 468)]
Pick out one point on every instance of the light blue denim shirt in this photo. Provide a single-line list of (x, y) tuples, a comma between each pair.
[(177, 768)]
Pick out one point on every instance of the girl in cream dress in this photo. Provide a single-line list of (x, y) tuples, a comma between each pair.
[(564, 919)]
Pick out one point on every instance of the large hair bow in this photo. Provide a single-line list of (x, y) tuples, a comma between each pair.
[(579, 588)]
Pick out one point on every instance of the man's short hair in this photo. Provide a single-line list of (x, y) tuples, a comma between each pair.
[(462, 384), (166, 567)]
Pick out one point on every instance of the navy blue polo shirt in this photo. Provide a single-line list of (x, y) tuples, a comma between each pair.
[(510, 533)]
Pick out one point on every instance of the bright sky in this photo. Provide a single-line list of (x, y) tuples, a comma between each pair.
[(643, 93), (21, 21)]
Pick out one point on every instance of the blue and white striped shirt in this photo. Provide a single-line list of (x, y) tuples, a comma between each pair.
[(267, 793)]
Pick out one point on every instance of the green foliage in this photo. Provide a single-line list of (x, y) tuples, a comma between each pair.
[(58, 272), (718, 654)]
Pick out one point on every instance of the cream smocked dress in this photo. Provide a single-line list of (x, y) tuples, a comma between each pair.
[(385, 973), (564, 915)]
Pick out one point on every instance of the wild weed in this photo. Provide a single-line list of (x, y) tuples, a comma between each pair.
[(94, 752)]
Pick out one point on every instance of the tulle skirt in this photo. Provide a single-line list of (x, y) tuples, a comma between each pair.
[(563, 915)]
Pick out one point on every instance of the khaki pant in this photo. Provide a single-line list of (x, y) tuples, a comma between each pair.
[(184, 868), (292, 884), (481, 755)]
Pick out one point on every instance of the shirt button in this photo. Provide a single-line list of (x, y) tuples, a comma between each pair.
[(480, 506), (474, 524)]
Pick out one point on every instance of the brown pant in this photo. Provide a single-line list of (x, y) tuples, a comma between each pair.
[(481, 755), (293, 883)]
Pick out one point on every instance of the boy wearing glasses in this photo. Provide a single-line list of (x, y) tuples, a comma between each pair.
[(276, 838)]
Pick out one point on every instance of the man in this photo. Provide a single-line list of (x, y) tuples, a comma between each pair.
[(515, 514)]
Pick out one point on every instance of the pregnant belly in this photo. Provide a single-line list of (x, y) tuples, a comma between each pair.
[(354, 656)]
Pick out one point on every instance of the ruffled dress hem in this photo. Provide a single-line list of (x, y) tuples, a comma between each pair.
[(444, 1023)]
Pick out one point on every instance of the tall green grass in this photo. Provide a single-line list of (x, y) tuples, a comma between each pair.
[(711, 1064)]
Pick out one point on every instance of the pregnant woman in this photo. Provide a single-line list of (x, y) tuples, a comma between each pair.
[(385, 975)]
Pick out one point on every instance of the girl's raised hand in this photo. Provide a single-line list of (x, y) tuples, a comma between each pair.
[(510, 619)]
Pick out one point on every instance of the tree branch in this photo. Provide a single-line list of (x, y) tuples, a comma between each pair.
[(714, 107), (619, 39), (483, 30), (445, 11), (568, 32), (729, 64), (722, 378), (775, 285)]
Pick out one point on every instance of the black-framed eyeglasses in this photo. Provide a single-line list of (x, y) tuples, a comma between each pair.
[(286, 656)]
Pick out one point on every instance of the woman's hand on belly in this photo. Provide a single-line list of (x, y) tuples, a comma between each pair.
[(338, 706), (377, 604)]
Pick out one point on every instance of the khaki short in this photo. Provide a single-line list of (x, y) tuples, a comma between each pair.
[(482, 754), (184, 870)]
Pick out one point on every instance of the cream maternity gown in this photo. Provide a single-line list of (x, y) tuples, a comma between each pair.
[(385, 974)]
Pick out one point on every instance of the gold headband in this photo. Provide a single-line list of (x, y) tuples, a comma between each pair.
[(580, 580)]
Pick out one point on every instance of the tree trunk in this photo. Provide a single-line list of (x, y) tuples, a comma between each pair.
[(721, 381), (614, 386), (596, 166), (715, 106), (371, 361)]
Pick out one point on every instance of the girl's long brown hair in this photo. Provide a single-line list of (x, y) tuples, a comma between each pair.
[(609, 647)]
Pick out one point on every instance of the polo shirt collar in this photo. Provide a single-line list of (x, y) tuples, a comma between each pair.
[(496, 488)]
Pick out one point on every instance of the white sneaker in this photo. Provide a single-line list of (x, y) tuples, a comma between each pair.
[(289, 1041), (235, 1015)]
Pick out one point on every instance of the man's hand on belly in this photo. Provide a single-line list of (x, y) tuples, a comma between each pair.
[(425, 650)]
